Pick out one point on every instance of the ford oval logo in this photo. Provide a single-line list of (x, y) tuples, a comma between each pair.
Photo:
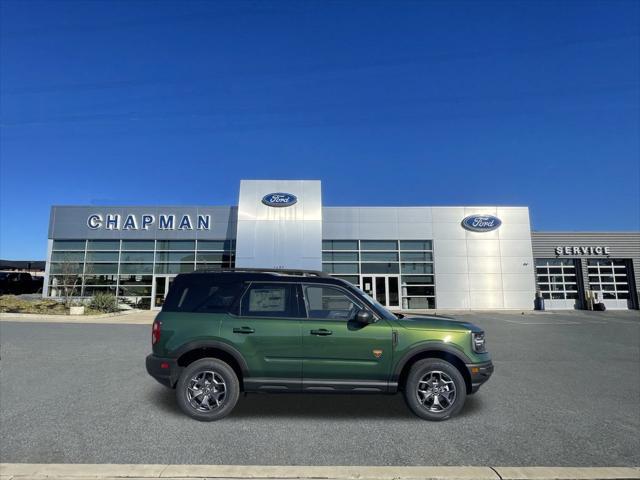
[(279, 199), (481, 223)]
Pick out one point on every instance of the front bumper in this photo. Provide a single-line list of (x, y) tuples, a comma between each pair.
[(164, 370), (479, 373)]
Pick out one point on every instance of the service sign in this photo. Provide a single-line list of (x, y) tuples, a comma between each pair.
[(583, 250), (481, 223), (279, 199)]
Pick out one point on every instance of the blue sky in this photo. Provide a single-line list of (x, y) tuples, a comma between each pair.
[(388, 103)]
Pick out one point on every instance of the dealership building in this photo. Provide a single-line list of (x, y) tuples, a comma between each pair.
[(408, 258)]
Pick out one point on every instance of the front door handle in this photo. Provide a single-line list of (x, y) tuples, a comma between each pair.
[(322, 332), (244, 330)]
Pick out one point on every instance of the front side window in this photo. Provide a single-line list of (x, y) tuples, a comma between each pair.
[(269, 300), (329, 303)]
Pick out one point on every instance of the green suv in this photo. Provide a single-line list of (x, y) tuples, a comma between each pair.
[(223, 333)]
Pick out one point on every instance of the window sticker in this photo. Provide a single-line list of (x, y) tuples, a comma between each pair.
[(267, 300)]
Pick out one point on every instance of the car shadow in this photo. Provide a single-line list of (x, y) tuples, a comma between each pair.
[(312, 406)]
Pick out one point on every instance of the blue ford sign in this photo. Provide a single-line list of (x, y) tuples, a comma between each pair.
[(481, 223), (279, 199)]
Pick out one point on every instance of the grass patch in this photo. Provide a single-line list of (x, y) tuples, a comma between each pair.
[(13, 304)]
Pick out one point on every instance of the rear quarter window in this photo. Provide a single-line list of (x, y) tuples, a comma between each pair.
[(204, 295)]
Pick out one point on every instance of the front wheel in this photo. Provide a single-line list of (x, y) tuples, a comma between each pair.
[(208, 390), (435, 389)]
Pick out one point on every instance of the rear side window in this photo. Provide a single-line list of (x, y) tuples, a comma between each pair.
[(269, 300), (201, 294)]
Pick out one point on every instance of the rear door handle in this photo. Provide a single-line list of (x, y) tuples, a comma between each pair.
[(244, 330), (321, 332)]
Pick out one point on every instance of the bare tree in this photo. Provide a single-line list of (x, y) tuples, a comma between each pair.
[(68, 273)]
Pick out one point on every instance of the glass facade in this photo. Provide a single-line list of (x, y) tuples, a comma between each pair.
[(127, 268), (410, 261)]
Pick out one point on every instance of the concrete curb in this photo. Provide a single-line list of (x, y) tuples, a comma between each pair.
[(24, 471), (134, 317)]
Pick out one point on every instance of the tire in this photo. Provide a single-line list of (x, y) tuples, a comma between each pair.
[(219, 401), (434, 375)]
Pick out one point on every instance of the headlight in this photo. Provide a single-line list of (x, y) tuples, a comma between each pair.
[(477, 342)]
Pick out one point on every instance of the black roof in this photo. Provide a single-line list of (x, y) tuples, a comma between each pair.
[(270, 274)]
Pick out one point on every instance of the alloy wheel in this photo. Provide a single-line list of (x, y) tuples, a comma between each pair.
[(206, 391), (436, 391)]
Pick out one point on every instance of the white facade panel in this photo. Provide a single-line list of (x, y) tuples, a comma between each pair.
[(414, 214), (518, 300), (515, 231), (378, 231), (447, 214), (452, 282), (498, 262), (450, 265), (516, 248), (453, 300), (378, 214), (340, 214), (415, 231), (485, 282), (450, 248), (484, 264), (521, 265), (342, 230), (480, 211), (517, 282), (483, 248), (281, 236), (473, 236), (486, 300), (448, 231)]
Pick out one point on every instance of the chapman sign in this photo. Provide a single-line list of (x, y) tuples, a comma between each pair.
[(144, 222), (582, 250)]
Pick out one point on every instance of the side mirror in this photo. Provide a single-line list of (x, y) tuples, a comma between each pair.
[(364, 316)]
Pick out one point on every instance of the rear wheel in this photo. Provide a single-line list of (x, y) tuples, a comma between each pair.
[(435, 389), (208, 389)]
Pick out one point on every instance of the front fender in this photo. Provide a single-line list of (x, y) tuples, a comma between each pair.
[(425, 347)]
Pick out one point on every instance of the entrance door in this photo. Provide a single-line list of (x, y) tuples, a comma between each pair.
[(384, 288), (161, 286)]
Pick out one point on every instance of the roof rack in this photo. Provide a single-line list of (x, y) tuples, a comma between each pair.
[(275, 271)]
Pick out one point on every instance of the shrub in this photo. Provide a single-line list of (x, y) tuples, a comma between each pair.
[(104, 302)]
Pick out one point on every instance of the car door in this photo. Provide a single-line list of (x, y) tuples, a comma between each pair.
[(340, 353), (267, 332)]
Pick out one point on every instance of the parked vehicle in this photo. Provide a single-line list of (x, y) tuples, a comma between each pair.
[(220, 334), (18, 283)]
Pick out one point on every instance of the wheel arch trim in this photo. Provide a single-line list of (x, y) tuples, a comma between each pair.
[(426, 347), (209, 343)]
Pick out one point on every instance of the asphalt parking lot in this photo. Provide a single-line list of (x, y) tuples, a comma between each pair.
[(566, 392)]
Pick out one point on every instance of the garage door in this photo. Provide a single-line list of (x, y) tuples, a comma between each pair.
[(558, 283), (610, 280)]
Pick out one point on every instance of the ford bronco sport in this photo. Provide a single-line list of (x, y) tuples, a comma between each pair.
[(220, 334)]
